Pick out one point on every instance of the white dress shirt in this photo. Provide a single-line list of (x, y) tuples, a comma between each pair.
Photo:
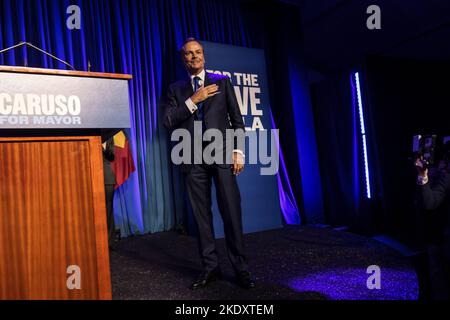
[(191, 106)]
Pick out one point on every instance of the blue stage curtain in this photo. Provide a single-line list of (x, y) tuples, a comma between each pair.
[(340, 150), (135, 37)]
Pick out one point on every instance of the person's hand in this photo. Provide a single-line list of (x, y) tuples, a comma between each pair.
[(422, 171), (204, 93), (238, 163)]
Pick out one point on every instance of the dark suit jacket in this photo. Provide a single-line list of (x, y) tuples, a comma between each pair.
[(435, 198), (108, 157), (220, 111)]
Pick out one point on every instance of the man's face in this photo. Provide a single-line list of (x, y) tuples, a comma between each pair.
[(193, 57)]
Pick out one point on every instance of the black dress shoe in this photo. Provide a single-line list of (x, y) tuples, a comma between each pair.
[(245, 280), (206, 278)]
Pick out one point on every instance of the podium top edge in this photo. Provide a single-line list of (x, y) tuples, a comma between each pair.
[(65, 72)]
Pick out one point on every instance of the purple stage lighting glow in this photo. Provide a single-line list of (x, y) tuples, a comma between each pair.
[(363, 135), (350, 283)]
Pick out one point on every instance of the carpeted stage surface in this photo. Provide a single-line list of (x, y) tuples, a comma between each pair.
[(302, 263)]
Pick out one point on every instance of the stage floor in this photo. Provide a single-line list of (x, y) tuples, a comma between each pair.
[(300, 263)]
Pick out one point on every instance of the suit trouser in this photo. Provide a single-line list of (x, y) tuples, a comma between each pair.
[(198, 184)]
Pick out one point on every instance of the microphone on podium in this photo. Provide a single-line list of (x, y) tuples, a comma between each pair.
[(20, 44)]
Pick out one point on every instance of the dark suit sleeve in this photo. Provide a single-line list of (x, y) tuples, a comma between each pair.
[(433, 196), (233, 107), (234, 113), (174, 113)]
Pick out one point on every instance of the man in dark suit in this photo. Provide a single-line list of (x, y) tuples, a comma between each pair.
[(110, 181), (209, 99), (434, 198)]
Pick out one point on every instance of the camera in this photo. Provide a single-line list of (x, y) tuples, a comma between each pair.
[(424, 148), (427, 148)]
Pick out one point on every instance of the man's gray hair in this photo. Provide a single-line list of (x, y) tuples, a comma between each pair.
[(190, 40)]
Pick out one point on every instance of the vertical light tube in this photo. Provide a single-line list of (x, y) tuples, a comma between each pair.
[(363, 135)]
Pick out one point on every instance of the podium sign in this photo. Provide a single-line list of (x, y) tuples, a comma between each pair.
[(53, 232), (59, 101)]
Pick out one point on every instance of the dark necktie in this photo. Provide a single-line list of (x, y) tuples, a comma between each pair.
[(199, 105)]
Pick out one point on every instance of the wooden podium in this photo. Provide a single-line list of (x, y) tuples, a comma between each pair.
[(53, 233)]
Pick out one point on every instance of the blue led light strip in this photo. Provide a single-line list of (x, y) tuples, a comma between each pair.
[(363, 134)]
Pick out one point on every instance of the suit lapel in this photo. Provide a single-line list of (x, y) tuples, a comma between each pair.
[(186, 89), (207, 103)]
